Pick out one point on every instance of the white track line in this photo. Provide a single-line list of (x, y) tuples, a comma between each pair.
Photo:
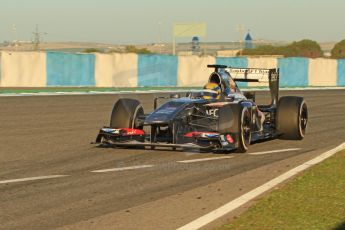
[(232, 205), (122, 169), (205, 159), (275, 151), (31, 179)]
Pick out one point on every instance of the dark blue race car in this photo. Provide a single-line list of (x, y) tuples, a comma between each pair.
[(209, 120)]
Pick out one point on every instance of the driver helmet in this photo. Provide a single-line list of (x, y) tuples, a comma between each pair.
[(211, 91)]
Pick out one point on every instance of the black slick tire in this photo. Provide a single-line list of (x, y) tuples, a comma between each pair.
[(125, 113), (292, 117), (244, 134)]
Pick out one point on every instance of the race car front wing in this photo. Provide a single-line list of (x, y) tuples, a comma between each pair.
[(125, 137)]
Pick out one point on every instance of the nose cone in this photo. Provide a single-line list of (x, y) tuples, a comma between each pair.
[(166, 113), (156, 118)]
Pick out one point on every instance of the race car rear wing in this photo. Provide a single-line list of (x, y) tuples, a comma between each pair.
[(253, 74), (270, 76)]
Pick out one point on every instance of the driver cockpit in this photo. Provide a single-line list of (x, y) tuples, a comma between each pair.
[(225, 82)]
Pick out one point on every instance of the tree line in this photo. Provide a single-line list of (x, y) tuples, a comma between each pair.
[(128, 49), (304, 48)]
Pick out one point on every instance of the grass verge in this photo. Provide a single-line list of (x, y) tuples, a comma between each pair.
[(313, 200)]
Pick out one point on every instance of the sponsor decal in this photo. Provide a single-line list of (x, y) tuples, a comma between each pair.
[(218, 104), (209, 135), (261, 75), (202, 134), (113, 131), (274, 77), (229, 139), (124, 131), (167, 110), (212, 112), (133, 132)]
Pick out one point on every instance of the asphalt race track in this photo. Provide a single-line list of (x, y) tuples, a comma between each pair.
[(162, 189)]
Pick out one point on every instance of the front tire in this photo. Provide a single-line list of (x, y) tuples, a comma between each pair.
[(125, 114), (245, 133), (236, 119)]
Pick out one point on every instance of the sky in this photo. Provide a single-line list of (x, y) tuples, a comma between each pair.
[(148, 21)]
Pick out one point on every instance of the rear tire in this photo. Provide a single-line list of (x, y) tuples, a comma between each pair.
[(292, 117), (125, 114)]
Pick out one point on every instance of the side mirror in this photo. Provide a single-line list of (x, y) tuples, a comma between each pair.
[(174, 96), (230, 98), (250, 96)]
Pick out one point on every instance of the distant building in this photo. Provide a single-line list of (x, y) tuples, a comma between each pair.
[(248, 41), (195, 45)]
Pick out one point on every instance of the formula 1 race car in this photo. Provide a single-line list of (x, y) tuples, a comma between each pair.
[(230, 121)]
